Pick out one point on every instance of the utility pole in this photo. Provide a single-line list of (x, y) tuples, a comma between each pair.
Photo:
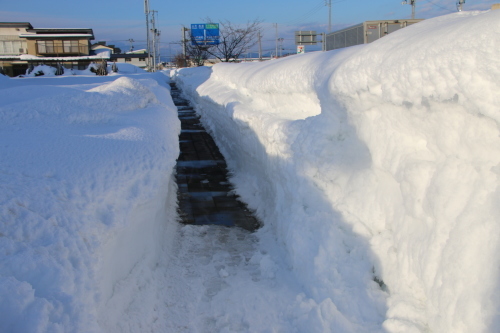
[(184, 29), (328, 3), (412, 3), (260, 47), (276, 26), (154, 34), (460, 4), (281, 46), (158, 48), (131, 45), (146, 11)]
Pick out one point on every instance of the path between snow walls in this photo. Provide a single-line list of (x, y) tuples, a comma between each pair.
[(87, 201), (375, 170)]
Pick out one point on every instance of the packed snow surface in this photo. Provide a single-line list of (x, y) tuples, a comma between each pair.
[(87, 200), (376, 169)]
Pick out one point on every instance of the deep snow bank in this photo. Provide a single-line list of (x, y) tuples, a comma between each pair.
[(86, 200), (377, 162)]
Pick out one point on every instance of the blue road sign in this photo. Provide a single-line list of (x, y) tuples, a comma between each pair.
[(205, 34)]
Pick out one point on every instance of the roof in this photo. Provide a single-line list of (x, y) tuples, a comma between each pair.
[(100, 46), (127, 55), (140, 51), (16, 25), (57, 32), (55, 35), (10, 57)]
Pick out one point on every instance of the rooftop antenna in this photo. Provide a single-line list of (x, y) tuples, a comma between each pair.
[(412, 3), (460, 4)]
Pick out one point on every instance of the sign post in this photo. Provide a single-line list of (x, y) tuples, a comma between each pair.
[(305, 38), (301, 49), (205, 34)]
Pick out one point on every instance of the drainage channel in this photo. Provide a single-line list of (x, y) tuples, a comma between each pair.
[(205, 195)]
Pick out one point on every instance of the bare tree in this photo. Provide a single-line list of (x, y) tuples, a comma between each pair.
[(234, 40), (197, 53), (179, 60)]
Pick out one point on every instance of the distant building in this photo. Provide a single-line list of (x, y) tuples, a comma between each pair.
[(138, 60), (99, 46), (12, 46), (22, 46), (365, 32)]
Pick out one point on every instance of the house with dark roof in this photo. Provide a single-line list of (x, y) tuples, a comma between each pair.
[(23, 46)]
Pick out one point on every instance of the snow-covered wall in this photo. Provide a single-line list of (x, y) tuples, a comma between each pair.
[(87, 201), (378, 162)]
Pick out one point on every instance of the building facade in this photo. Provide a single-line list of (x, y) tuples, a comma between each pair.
[(12, 46), (364, 33), (23, 47)]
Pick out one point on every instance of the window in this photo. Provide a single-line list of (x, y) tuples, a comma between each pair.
[(12, 47), (70, 46), (128, 59), (45, 46), (59, 47), (142, 59)]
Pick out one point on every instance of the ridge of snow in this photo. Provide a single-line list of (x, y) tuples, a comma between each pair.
[(376, 163)]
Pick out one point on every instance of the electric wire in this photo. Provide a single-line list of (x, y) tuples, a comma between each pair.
[(439, 6)]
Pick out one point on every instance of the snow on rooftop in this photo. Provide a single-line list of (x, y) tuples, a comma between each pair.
[(140, 51), (105, 54)]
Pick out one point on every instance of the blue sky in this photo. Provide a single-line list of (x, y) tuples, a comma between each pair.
[(117, 21)]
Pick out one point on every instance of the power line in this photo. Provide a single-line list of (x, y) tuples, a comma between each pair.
[(439, 6), (311, 12), (306, 15)]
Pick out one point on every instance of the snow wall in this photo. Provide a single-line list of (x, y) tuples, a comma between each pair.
[(377, 169), (87, 201)]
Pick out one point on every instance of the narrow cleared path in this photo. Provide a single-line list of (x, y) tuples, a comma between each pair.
[(218, 278), (205, 195)]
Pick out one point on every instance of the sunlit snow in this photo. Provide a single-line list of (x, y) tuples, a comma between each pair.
[(374, 169)]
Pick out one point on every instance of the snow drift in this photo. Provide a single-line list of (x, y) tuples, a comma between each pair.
[(87, 201), (376, 167)]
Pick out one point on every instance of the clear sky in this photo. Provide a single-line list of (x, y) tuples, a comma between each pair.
[(116, 21)]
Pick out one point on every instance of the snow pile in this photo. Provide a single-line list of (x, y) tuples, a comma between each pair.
[(42, 70), (124, 68), (376, 167), (87, 201)]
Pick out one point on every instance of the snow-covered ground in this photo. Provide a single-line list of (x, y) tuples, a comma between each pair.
[(376, 170), (87, 200)]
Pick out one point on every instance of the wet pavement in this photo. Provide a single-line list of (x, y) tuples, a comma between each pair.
[(205, 194)]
